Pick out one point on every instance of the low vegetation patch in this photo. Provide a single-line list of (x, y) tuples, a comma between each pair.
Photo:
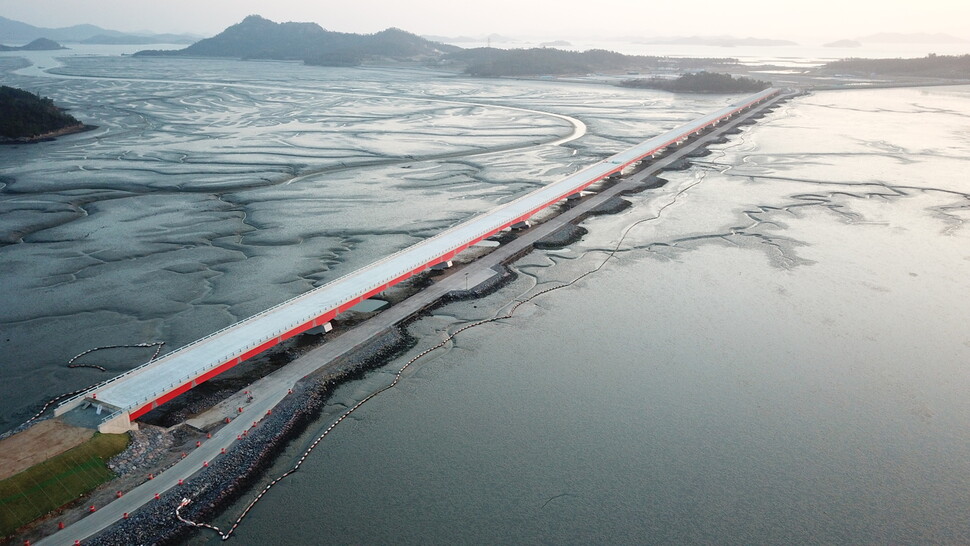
[(701, 82), (49, 485), (935, 66), (494, 63)]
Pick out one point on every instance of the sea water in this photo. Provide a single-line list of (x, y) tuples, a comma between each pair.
[(776, 351)]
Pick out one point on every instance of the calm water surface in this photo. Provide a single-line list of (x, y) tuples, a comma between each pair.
[(779, 353)]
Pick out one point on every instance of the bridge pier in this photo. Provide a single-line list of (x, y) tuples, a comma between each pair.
[(322, 329), (118, 424), (88, 412)]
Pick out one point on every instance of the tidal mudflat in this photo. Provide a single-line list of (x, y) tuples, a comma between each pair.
[(215, 189), (777, 353)]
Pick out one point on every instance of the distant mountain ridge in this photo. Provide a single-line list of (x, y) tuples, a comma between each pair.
[(17, 31), (497, 38), (259, 38), (843, 43), (915, 38), (135, 39), (496, 63), (932, 66), (700, 82), (721, 41)]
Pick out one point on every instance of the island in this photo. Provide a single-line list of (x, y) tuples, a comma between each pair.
[(40, 44), (843, 43), (26, 117), (931, 66), (544, 61), (719, 41), (20, 32), (700, 82), (912, 38), (258, 38), (556, 43)]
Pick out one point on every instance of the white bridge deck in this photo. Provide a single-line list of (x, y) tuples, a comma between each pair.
[(145, 387)]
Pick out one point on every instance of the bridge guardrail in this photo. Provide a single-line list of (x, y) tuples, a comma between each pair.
[(423, 254)]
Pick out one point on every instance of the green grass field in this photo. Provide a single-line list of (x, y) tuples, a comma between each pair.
[(58, 481)]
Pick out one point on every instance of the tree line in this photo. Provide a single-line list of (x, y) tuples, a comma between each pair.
[(25, 115), (491, 62), (701, 82), (935, 66)]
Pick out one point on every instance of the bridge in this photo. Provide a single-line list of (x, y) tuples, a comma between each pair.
[(122, 399)]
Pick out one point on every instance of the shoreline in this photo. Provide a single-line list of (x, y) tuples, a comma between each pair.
[(49, 136)]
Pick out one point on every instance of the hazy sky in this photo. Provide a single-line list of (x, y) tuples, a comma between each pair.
[(821, 19)]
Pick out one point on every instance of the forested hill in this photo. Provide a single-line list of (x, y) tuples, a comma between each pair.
[(259, 38), (491, 62), (701, 82), (932, 66), (25, 116), (40, 44)]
